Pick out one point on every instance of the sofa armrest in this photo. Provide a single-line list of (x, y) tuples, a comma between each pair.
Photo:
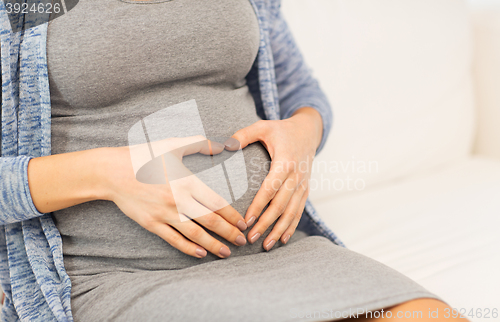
[(486, 21)]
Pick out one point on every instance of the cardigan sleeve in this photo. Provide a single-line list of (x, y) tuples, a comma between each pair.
[(297, 87), (15, 197)]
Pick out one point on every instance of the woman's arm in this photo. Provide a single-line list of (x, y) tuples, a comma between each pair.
[(292, 142), (297, 88), (65, 180)]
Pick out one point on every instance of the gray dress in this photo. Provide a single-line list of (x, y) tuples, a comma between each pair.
[(114, 63)]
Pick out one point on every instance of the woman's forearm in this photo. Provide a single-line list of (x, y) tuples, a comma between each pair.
[(64, 180)]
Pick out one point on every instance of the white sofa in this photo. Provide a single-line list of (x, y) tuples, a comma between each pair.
[(411, 173)]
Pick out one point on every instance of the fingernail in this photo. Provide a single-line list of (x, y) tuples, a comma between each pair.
[(240, 241), (285, 240), (224, 252), (217, 147), (254, 238), (241, 225), (232, 144), (270, 245), (250, 222), (201, 252)]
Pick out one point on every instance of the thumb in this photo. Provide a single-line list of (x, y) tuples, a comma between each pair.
[(245, 136)]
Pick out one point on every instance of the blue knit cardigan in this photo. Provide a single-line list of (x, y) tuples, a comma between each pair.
[(32, 273)]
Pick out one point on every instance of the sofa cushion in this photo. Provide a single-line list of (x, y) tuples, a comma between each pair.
[(398, 75), (441, 229)]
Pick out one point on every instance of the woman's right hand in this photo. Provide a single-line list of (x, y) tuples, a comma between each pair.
[(154, 207)]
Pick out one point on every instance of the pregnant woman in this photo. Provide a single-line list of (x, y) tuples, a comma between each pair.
[(82, 238)]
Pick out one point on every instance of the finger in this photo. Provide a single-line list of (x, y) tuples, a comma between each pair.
[(293, 226), (186, 145), (246, 136), (285, 220), (213, 201), (207, 147), (197, 234), (274, 211), (214, 222), (270, 186), (173, 144), (178, 241)]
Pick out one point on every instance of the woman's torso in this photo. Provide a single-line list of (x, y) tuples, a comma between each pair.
[(113, 63)]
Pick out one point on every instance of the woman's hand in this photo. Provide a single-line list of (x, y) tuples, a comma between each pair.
[(292, 144), (167, 209)]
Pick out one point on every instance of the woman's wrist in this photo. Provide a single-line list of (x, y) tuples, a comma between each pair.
[(113, 169), (310, 119), (64, 180)]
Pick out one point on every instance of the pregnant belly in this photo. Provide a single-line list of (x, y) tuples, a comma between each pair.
[(98, 237)]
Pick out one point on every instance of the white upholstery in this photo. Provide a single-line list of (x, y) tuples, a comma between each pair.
[(398, 74), (415, 88), (441, 229)]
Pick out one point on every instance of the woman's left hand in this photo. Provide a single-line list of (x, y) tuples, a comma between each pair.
[(292, 144)]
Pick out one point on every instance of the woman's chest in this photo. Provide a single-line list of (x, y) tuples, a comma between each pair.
[(102, 51)]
